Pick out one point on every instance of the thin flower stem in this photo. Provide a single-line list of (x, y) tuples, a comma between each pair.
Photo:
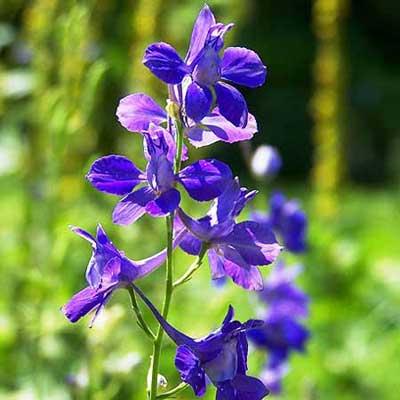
[(182, 386), (167, 301), (140, 319), (179, 145), (169, 280), (192, 269)]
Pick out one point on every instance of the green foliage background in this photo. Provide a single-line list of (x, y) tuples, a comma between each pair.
[(65, 64)]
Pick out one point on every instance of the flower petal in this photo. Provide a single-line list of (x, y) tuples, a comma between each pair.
[(85, 301), (205, 179), (190, 370), (114, 175), (136, 111), (198, 101), (164, 204), (232, 104), (243, 67), (216, 128), (203, 23), (249, 388), (165, 63), (255, 242), (190, 244), (242, 273), (132, 206)]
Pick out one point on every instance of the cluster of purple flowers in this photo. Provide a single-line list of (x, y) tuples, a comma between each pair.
[(202, 107), (284, 304), (282, 331)]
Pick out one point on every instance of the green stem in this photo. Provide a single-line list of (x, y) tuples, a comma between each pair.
[(155, 360), (192, 269), (179, 146), (182, 386), (140, 319)]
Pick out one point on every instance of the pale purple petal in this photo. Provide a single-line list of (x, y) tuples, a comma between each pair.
[(136, 111), (232, 104), (203, 23), (198, 100), (205, 179), (84, 234), (242, 273), (132, 206), (255, 242), (164, 204), (165, 63), (243, 67), (114, 175), (216, 128), (216, 265)]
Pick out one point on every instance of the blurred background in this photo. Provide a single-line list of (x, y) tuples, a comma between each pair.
[(331, 107)]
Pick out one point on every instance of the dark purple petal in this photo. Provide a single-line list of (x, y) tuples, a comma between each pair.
[(205, 179), (190, 244), (232, 104), (85, 301), (165, 63), (164, 204), (242, 349), (255, 242), (190, 370), (198, 100), (203, 23), (243, 67), (132, 206), (114, 175), (216, 128), (136, 111), (225, 391), (249, 388)]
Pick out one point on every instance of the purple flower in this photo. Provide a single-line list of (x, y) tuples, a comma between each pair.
[(138, 111), (282, 332), (220, 358), (208, 71), (108, 270), (234, 249), (288, 220), (117, 175), (266, 161)]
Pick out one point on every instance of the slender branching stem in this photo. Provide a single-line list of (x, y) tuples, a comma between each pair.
[(192, 269), (140, 319)]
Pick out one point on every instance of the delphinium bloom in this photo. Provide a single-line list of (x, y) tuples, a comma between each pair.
[(158, 196), (266, 161), (137, 111), (234, 249), (288, 220), (208, 72), (282, 332), (108, 270), (219, 358)]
